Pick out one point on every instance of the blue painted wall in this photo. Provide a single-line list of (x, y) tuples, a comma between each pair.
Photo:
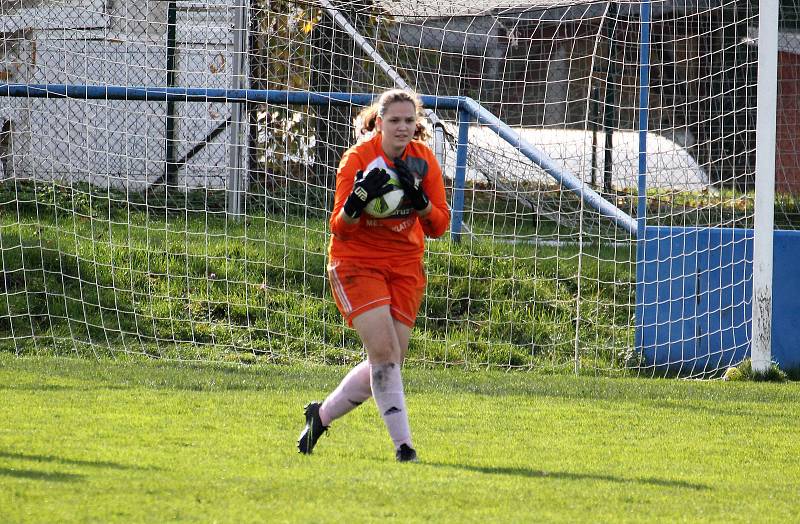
[(693, 298)]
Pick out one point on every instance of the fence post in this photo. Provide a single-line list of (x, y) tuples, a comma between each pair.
[(457, 214), (171, 169), (237, 164)]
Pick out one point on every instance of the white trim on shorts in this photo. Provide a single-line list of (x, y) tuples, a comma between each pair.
[(339, 289), (402, 314)]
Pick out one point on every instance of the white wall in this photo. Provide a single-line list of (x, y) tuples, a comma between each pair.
[(99, 42)]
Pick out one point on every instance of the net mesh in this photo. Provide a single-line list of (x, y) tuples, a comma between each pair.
[(119, 235)]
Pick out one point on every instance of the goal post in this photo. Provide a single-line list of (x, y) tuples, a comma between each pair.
[(761, 345)]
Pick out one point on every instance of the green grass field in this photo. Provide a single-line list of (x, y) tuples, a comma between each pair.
[(92, 272), (86, 440)]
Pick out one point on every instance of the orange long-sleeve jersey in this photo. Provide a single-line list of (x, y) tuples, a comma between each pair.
[(401, 235)]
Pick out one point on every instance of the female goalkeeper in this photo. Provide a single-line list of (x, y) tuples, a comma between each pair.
[(375, 265)]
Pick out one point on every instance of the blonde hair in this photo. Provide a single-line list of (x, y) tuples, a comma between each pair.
[(365, 121)]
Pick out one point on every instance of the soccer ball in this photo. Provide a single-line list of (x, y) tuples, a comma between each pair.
[(732, 374), (385, 205)]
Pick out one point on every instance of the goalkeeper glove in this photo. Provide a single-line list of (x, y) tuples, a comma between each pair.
[(365, 189), (411, 184)]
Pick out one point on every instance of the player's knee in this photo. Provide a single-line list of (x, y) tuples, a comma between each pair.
[(384, 353), (384, 349)]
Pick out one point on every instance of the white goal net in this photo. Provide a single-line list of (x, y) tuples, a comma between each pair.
[(197, 229)]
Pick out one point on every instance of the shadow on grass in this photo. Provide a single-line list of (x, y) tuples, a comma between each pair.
[(40, 475), (538, 473), (44, 387), (59, 388), (74, 462)]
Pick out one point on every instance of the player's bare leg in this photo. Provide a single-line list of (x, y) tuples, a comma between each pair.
[(356, 387), (377, 330)]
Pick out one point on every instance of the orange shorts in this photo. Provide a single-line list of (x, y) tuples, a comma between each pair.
[(359, 286)]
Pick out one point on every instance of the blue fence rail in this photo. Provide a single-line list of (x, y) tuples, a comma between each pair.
[(468, 110)]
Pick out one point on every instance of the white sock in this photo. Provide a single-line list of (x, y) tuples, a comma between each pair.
[(353, 390), (387, 388)]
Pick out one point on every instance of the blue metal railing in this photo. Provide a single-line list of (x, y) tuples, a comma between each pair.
[(467, 108)]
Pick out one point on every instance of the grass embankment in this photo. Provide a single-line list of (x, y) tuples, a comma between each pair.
[(94, 272), (138, 441)]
